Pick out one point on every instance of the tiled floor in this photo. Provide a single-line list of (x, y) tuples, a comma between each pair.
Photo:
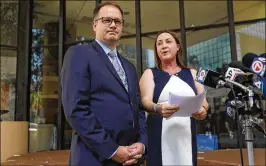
[(48, 158), (60, 158), (232, 157)]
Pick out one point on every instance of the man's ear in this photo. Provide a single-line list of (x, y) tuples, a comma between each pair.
[(94, 24)]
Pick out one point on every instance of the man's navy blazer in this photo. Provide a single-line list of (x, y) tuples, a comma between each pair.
[(101, 112)]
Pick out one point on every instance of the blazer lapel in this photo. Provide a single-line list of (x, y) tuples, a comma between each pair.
[(107, 62)]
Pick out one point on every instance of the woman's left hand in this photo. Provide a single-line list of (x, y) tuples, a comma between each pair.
[(201, 114)]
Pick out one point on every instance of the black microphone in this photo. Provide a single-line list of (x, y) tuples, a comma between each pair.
[(239, 65), (208, 77), (257, 66), (224, 68), (248, 59), (263, 55)]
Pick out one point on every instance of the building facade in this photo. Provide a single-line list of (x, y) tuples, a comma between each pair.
[(35, 35)]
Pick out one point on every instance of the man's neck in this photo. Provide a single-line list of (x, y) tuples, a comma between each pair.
[(110, 45)]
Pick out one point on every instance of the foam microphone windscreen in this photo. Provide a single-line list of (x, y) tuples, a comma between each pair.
[(224, 68), (248, 59), (239, 65), (263, 55)]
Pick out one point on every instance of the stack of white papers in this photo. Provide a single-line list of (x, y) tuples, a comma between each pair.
[(187, 104)]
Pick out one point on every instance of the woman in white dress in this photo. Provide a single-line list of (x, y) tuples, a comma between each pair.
[(171, 139)]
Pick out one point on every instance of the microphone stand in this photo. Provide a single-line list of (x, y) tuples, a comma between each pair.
[(249, 139), (239, 135), (247, 120)]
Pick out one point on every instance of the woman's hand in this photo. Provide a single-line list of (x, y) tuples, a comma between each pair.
[(201, 114), (166, 110)]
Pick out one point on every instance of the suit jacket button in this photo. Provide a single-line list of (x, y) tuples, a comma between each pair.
[(130, 122)]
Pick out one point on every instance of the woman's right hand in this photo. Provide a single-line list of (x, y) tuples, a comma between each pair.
[(166, 110)]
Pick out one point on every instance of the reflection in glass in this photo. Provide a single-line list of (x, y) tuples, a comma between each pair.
[(200, 52), (148, 60), (250, 38), (248, 10), (79, 21), (159, 15), (9, 20), (129, 52), (8, 65), (198, 13), (210, 49), (44, 77)]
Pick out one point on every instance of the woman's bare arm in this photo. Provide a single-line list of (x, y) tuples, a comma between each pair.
[(146, 90)]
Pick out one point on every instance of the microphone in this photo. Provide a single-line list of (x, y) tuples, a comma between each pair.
[(239, 65), (232, 73), (260, 83), (249, 90), (207, 77), (216, 80), (255, 63), (258, 66), (237, 75), (263, 55), (248, 58)]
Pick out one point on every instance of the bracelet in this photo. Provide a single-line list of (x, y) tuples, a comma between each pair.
[(155, 108)]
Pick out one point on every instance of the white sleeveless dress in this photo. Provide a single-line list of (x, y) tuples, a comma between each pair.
[(176, 132)]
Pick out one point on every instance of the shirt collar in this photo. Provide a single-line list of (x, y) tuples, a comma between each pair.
[(105, 48)]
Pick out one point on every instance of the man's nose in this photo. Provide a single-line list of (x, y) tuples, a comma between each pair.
[(113, 24)]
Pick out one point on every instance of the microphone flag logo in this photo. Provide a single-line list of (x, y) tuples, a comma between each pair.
[(201, 75), (257, 66)]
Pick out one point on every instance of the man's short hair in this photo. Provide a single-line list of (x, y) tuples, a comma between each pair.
[(99, 6)]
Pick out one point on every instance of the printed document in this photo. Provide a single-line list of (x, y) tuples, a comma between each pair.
[(187, 104)]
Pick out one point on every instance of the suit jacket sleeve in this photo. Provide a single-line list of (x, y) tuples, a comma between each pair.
[(75, 82)]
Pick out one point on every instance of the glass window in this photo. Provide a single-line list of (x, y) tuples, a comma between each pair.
[(44, 76), (199, 13), (155, 19), (127, 49), (8, 66), (250, 38), (9, 22), (247, 10), (79, 21), (148, 60), (159, 15), (215, 127), (204, 41), (8, 58)]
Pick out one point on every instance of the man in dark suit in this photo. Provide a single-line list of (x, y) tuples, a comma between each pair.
[(100, 95)]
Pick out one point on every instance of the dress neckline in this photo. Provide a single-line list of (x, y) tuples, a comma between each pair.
[(176, 74)]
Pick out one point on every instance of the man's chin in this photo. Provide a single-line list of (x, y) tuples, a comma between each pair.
[(113, 38)]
